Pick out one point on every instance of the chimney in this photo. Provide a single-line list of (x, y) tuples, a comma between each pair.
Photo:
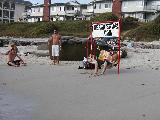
[(116, 8), (46, 10)]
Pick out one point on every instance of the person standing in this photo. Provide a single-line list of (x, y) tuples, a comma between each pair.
[(56, 45)]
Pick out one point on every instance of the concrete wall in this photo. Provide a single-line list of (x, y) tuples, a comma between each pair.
[(19, 10), (132, 6)]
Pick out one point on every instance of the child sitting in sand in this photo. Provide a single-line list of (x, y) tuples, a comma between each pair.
[(12, 54)]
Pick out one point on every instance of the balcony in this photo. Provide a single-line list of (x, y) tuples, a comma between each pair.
[(26, 14), (5, 16), (6, 8), (12, 6), (151, 8), (6, 5), (58, 13), (71, 12)]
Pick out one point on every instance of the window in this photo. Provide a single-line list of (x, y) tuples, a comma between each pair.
[(0, 5), (139, 3), (153, 5), (53, 8), (125, 4), (6, 5), (59, 8), (0, 13), (95, 6), (11, 15), (99, 6), (108, 5), (12, 6), (38, 9), (33, 9), (72, 8)]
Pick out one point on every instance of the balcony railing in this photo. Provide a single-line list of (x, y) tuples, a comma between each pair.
[(152, 8), (71, 11), (5, 16)]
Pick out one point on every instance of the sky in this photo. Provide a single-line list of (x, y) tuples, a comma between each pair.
[(58, 1)]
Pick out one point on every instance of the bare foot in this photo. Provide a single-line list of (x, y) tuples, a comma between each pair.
[(24, 64)]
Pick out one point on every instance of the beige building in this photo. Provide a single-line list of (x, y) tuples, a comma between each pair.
[(12, 10)]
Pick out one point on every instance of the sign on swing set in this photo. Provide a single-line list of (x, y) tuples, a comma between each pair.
[(106, 29)]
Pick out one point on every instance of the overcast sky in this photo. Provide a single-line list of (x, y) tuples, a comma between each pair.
[(58, 1)]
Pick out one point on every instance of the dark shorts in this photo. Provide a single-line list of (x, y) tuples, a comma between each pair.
[(100, 63), (16, 62)]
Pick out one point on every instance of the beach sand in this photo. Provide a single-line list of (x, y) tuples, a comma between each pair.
[(40, 91)]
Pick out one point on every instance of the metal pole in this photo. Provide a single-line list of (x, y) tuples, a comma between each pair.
[(119, 46)]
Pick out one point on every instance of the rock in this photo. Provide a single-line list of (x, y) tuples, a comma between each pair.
[(156, 68), (124, 53), (43, 46), (41, 53)]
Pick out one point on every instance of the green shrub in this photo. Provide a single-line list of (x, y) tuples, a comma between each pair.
[(157, 20), (104, 17), (129, 23), (147, 32)]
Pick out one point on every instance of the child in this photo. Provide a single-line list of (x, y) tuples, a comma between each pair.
[(12, 54)]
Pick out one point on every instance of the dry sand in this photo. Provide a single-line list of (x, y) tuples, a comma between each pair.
[(41, 91)]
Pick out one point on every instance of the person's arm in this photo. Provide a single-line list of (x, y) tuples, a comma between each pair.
[(49, 40), (60, 41)]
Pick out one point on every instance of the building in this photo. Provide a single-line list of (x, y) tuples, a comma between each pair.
[(35, 13), (57, 11), (144, 10), (12, 10), (102, 6)]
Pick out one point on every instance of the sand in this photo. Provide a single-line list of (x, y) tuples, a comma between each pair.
[(41, 91)]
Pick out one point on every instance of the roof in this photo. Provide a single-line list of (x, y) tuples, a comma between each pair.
[(38, 5), (73, 3), (28, 3), (58, 4)]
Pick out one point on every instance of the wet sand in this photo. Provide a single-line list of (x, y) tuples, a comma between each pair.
[(63, 92)]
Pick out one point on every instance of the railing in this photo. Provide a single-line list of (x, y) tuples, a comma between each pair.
[(152, 8), (6, 8), (5, 16), (144, 20), (71, 11)]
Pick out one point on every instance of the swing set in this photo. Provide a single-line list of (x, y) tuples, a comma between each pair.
[(106, 34)]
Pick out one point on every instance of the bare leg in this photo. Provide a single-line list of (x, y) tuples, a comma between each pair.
[(54, 60), (96, 67), (57, 59), (104, 68), (12, 64)]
